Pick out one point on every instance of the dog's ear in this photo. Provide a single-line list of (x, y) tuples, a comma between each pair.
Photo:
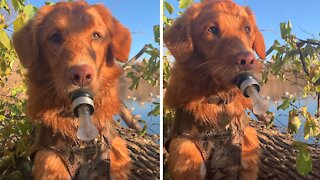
[(25, 41), (178, 38), (121, 41), (258, 43), (120, 35), (25, 44)]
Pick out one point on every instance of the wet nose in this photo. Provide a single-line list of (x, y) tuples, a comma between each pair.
[(81, 75), (245, 61)]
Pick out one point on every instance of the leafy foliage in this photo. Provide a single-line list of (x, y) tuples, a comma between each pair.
[(148, 68), (15, 129), (300, 58)]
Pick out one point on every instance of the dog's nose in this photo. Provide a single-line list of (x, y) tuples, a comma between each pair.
[(81, 75), (245, 61)]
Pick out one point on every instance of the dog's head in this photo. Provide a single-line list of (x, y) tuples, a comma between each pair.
[(216, 38), (71, 44)]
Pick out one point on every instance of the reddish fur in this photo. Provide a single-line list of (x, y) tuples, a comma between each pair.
[(184, 161), (48, 83), (205, 66)]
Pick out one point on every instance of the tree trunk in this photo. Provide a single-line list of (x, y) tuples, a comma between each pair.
[(278, 159), (145, 154)]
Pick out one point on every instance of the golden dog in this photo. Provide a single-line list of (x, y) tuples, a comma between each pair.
[(212, 42), (64, 47)]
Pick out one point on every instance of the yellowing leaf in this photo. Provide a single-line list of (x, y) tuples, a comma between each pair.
[(4, 4), (311, 127), (5, 40), (185, 3), (2, 22), (294, 124), (29, 11), (304, 111), (17, 4), (19, 22)]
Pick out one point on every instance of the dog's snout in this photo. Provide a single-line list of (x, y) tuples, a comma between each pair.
[(81, 75), (245, 61)]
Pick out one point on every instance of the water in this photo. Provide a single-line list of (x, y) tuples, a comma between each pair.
[(143, 108), (282, 116)]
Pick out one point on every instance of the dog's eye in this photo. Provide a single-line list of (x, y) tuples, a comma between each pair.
[(247, 29), (96, 35), (56, 38), (214, 30)]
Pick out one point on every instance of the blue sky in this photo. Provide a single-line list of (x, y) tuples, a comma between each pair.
[(139, 16), (304, 16)]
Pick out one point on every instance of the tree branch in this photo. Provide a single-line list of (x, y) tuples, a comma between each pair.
[(143, 50), (11, 97), (127, 117), (302, 58)]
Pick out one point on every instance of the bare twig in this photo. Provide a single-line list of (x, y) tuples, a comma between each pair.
[(143, 50), (309, 41), (11, 97), (127, 117)]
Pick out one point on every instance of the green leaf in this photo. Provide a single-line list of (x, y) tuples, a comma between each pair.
[(4, 5), (168, 7), (155, 111), (285, 105), (285, 29), (15, 110), (5, 40), (185, 3), (49, 3), (144, 129), (303, 160), (2, 117), (156, 33)]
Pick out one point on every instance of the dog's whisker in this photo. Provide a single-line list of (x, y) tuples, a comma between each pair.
[(206, 63)]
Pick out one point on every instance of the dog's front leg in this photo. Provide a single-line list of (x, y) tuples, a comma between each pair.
[(49, 166), (120, 160), (250, 155), (185, 161)]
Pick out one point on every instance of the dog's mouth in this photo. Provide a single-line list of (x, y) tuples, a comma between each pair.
[(64, 89), (229, 76)]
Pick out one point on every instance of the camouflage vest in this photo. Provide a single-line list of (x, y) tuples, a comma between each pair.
[(84, 160), (220, 149)]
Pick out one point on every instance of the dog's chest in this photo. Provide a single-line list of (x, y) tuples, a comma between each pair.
[(221, 145), (223, 153), (83, 160), (92, 163)]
